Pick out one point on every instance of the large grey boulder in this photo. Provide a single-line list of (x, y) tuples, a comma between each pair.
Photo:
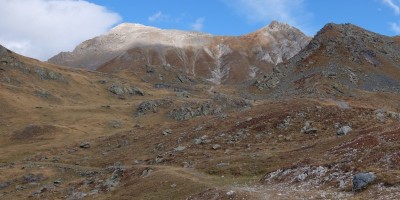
[(362, 180), (344, 130)]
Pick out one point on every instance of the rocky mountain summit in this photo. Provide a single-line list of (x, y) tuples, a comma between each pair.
[(219, 59)]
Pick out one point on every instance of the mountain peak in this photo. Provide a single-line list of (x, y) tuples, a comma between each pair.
[(276, 25), (124, 27), (343, 30), (359, 47), (332, 25)]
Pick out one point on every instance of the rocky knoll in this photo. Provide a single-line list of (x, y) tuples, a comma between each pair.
[(341, 59)]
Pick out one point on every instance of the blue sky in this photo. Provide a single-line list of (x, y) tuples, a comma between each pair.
[(236, 17), (43, 28)]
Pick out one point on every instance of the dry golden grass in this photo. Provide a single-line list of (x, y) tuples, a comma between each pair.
[(251, 144)]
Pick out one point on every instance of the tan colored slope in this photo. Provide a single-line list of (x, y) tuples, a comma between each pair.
[(137, 158), (76, 103)]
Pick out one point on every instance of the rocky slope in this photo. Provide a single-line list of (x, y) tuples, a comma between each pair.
[(342, 59), (218, 59)]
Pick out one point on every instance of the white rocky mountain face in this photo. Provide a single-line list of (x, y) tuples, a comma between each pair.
[(219, 59)]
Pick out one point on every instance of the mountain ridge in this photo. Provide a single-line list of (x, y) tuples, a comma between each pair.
[(193, 52)]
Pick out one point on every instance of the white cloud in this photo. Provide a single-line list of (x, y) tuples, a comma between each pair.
[(292, 12), (394, 6), (198, 25), (395, 27), (159, 16), (43, 28)]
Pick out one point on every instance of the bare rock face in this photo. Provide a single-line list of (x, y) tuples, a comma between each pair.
[(218, 59)]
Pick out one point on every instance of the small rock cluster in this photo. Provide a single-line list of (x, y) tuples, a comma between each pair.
[(285, 123), (202, 140), (191, 110), (152, 106), (381, 115), (125, 90)]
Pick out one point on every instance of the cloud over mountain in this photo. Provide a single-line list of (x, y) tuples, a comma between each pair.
[(41, 28)]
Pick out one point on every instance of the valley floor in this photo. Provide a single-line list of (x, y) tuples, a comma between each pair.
[(83, 152)]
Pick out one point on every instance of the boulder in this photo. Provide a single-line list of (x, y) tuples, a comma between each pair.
[(84, 145), (216, 146), (116, 89), (4, 185), (202, 140), (114, 180), (285, 123), (167, 132), (230, 193), (308, 129), (57, 182), (393, 115), (344, 130), (146, 172), (362, 180), (380, 115), (179, 149)]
